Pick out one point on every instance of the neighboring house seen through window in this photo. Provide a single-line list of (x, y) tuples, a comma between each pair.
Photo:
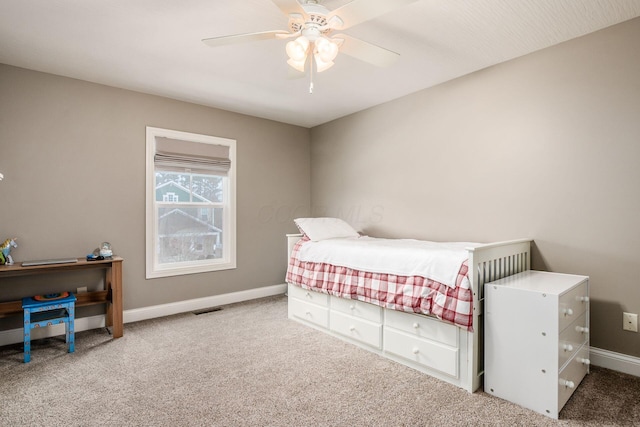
[(190, 203)]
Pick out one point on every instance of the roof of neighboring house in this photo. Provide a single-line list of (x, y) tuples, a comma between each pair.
[(210, 227)]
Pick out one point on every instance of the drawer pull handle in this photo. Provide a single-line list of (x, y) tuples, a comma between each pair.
[(583, 299), (352, 328), (582, 329), (352, 307), (567, 383), (568, 312), (584, 361), (415, 351), (416, 325), (568, 347)]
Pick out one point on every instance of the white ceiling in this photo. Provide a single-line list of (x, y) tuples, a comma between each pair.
[(154, 46)]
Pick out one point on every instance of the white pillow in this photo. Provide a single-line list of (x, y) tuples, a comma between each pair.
[(318, 229)]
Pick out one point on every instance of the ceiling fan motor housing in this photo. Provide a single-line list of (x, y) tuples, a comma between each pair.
[(315, 23)]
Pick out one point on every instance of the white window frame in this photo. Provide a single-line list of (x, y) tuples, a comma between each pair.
[(228, 261)]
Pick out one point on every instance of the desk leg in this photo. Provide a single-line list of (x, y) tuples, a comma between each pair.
[(114, 309)]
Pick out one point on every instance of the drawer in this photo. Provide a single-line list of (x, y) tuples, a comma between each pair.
[(572, 338), (572, 375), (309, 296), (422, 327), (357, 329), (309, 312), (358, 309), (573, 304), (421, 351)]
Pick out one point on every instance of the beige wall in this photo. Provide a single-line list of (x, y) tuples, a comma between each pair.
[(546, 146), (73, 157)]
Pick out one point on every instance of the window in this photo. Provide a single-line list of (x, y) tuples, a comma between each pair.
[(190, 203)]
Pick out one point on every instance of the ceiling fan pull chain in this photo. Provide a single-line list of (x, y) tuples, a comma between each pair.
[(311, 77)]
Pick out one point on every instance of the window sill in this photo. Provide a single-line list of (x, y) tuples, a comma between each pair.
[(189, 269)]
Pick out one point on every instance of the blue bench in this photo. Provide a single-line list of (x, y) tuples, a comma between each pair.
[(47, 312)]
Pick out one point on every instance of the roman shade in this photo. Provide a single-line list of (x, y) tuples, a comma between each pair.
[(195, 157)]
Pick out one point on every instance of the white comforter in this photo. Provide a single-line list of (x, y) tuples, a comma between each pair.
[(403, 257)]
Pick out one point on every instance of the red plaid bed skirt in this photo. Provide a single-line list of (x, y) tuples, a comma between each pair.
[(403, 293)]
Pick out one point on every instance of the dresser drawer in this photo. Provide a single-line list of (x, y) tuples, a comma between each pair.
[(572, 375), (421, 351), (358, 309), (572, 305), (357, 329), (572, 338), (309, 296), (309, 312), (422, 327)]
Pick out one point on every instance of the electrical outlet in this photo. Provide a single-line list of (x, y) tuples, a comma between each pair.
[(82, 289), (630, 322)]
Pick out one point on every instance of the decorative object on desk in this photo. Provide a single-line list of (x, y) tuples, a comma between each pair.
[(5, 251), (51, 297), (94, 257), (105, 249)]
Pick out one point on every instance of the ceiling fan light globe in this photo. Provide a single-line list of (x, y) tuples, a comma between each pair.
[(297, 65), (326, 49), (297, 49), (322, 65)]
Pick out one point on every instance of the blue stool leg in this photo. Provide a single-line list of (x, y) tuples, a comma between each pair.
[(66, 332), (27, 335), (71, 328)]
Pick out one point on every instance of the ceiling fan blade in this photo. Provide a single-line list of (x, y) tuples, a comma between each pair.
[(367, 52), (241, 38), (288, 35), (359, 11), (289, 6)]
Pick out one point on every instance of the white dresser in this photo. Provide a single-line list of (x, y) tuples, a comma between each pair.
[(536, 338)]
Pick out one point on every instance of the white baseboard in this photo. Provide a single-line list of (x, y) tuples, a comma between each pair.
[(162, 310), (14, 336), (615, 361)]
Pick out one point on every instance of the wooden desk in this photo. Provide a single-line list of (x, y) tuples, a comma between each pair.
[(111, 295)]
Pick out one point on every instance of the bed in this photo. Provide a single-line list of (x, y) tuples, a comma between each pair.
[(380, 294)]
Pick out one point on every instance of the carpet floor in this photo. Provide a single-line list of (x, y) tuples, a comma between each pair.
[(248, 365)]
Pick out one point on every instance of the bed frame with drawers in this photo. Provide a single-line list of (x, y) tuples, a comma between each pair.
[(422, 342)]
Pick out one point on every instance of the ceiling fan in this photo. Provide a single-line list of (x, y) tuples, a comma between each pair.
[(312, 27)]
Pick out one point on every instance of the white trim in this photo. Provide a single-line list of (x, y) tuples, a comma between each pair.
[(14, 336), (152, 268), (615, 361), (162, 310)]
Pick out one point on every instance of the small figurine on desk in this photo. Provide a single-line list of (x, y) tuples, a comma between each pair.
[(105, 250), (5, 251)]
